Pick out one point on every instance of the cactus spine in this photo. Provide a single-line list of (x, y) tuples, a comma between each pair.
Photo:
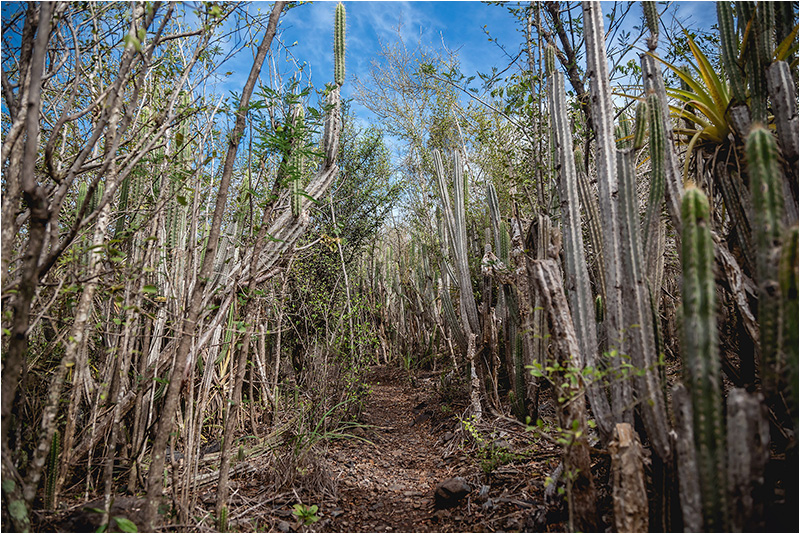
[(762, 162), (701, 359), (338, 43), (577, 274)]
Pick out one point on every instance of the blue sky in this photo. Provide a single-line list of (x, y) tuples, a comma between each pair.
[(307, 31)]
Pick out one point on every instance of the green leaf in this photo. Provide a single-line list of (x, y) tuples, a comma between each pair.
[(126, 525), (150, 289), (132, 40)]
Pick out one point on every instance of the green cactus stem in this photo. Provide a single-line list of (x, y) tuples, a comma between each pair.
[(339, 25), (52, 472), (729, 40), (651, 21), (640, 127), (788, 280), (701, 357), (654, 228), (550, 60), (297, 160), (762, 163)]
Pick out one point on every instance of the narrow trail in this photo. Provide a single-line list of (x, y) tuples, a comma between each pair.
[(388, 485)]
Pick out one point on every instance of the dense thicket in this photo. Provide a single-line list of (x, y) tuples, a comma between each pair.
[(189, 279)]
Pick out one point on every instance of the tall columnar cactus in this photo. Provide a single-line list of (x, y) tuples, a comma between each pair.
[(788, 280), (640, 125), (729, 40), (577, 274), (651, 20), (760, 19), (762, 163), (653, 82), (52, 471), (455, 215), (592, 211), (550, 60), (639, 335), (701, 357), (608, 187), (338, 44), (297, 159), (653, 226)]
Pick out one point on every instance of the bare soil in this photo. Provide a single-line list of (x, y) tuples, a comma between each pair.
[(415, 443)]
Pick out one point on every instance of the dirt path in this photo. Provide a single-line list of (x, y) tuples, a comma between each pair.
[(388, 486)]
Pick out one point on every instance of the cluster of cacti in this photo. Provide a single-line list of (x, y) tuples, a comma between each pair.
[(608, 185), (701, 356)]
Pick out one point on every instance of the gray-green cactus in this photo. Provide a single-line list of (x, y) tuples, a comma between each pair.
[(455, 216), (653, 225), (577, 274), (639, 335), (640, 125), (701, 357), (52, 471), (297, 159), (608, 186)]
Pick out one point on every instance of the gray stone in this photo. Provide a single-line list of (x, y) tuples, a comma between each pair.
[(283, 526), (450, 492)]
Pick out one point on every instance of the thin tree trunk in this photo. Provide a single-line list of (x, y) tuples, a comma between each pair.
[(154, 482)]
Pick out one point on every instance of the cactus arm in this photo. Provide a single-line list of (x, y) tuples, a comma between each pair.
[(781, 91), (651, 21), (788, 281)]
